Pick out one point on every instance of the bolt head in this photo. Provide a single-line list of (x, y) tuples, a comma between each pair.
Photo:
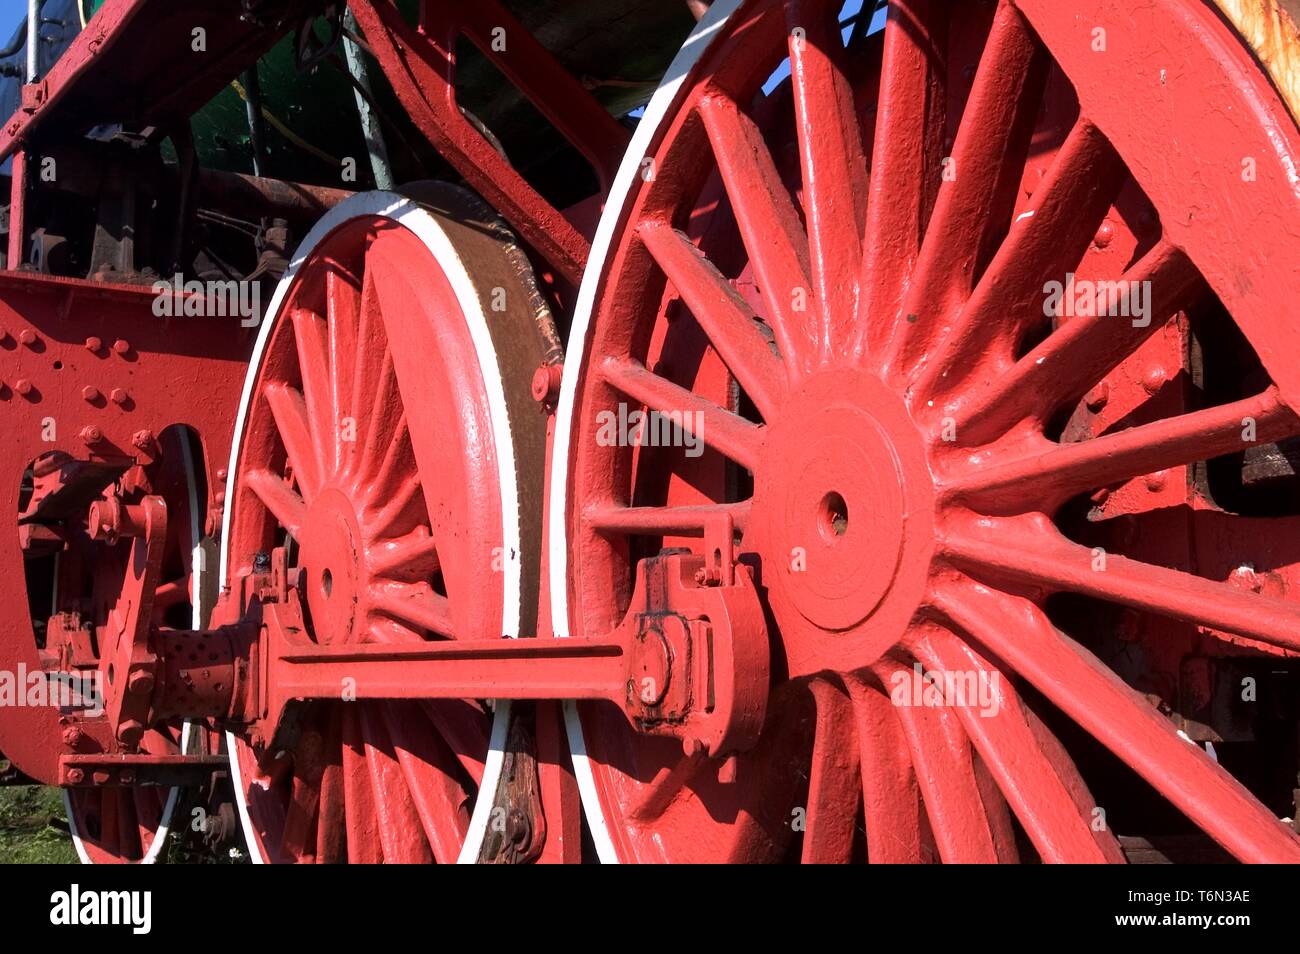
[(727, 771), (130, 732), (1098, 396), (140, 682), (121, 346), (93, 343), (546, 383), (90, 394), (118, 396), (90, 434), (23, 386), (76, 776)]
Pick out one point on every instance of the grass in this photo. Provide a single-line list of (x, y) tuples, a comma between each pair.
[(33, 829)]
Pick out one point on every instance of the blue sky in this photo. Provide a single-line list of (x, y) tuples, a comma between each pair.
[(11, 14)]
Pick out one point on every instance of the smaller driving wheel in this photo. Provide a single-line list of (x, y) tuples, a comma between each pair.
[(387, 439)]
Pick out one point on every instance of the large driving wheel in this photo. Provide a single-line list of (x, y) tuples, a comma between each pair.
[(846, 266)]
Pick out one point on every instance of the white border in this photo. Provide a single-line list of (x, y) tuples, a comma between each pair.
[(705, 32), (427, 228)]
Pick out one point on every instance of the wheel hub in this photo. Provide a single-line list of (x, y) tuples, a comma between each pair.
[(840, 497), (331, 569)]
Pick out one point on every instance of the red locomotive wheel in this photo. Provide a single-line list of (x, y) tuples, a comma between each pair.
[(828, 264), (388, 439)]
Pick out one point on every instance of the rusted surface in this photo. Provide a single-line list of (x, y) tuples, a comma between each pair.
[(1270, 28)]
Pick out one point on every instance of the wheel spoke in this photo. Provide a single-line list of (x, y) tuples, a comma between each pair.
[(1024, 771), (400, 831), (361, 815), (834, 779), (290, 413), (946, 774), (331, 820), (372, 363), (1078, 354), (1077, 682), (464, 727), (343, 308), (834, 170), (383, 418), (1045, 242), (279, 498), (983, 173), (729, 323), (728, 433), (1048, 478), (684, 521), (400, 512), (309, 335), (417, 605), (439, 800), (904, 163), (1051, 561), (298, 838), (409, 559), (769, 226), (890, 796)]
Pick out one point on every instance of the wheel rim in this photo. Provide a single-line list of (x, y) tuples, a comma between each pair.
[(902, 454), (384, 552)]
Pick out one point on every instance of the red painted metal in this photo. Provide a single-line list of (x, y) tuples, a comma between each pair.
[(883, 455), (71, 346), (857, 329)]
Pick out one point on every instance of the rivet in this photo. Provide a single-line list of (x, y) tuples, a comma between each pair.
[(1153, 380), (27, 337), (1105, 235), (1156, 482), (1098, 396)]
